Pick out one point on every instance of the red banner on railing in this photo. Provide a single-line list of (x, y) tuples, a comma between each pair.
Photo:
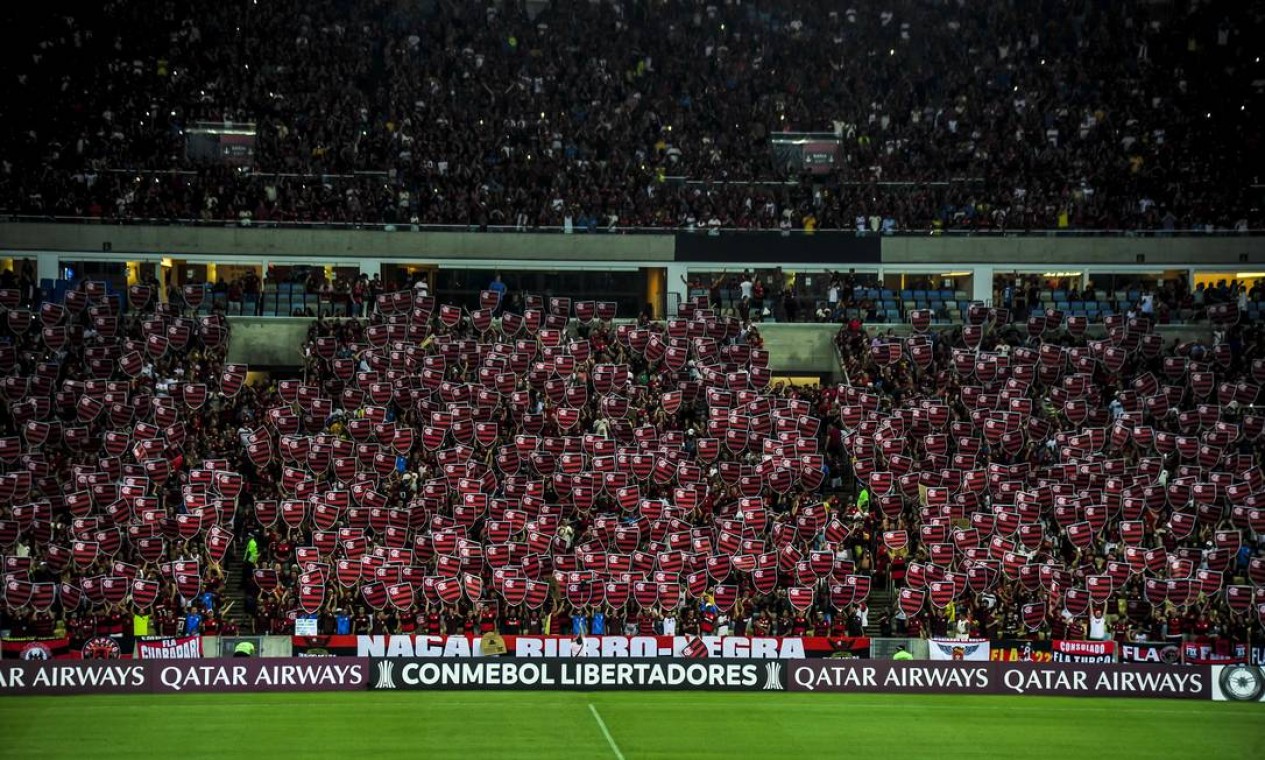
[(1207, 653), (1063, 650), (38, 649), (60, 648)]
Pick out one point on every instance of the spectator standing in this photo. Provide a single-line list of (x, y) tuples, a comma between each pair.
[(249, 560), (1098, 623), (498, 286)]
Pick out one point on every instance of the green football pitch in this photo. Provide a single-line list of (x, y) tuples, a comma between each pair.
[(622, 725)]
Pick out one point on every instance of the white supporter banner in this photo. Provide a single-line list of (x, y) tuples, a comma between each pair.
[(969, 650)]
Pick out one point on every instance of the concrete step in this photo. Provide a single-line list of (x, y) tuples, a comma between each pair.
[(234, 592)]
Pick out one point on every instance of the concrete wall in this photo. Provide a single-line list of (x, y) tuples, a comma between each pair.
[(1082, 250), (265, 646), (1170, 332), (277, 342), (793, 348), (268, 342), (404, 245), (807, 348), (324, 243)]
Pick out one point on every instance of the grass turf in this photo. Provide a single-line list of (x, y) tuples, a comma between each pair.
[(641, 725)]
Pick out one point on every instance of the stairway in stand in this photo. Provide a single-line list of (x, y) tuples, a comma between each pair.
[(879, 602), (234, 593)]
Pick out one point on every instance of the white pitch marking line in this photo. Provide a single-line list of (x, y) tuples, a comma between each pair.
[(1189, 708), (606, 732)]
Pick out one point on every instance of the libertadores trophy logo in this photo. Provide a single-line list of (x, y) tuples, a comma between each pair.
[(773, 676), (386, 675)]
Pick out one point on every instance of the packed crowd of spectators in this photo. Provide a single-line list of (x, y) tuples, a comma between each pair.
[(552, 446), (599, 115), (118, 413), (778, 295), (1124, 474), (442, 470), (859, 529), (1164, 302)]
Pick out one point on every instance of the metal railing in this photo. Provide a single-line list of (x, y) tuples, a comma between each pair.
[(20, 217)]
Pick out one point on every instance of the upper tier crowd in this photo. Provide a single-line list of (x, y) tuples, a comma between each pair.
[(602, 115)]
